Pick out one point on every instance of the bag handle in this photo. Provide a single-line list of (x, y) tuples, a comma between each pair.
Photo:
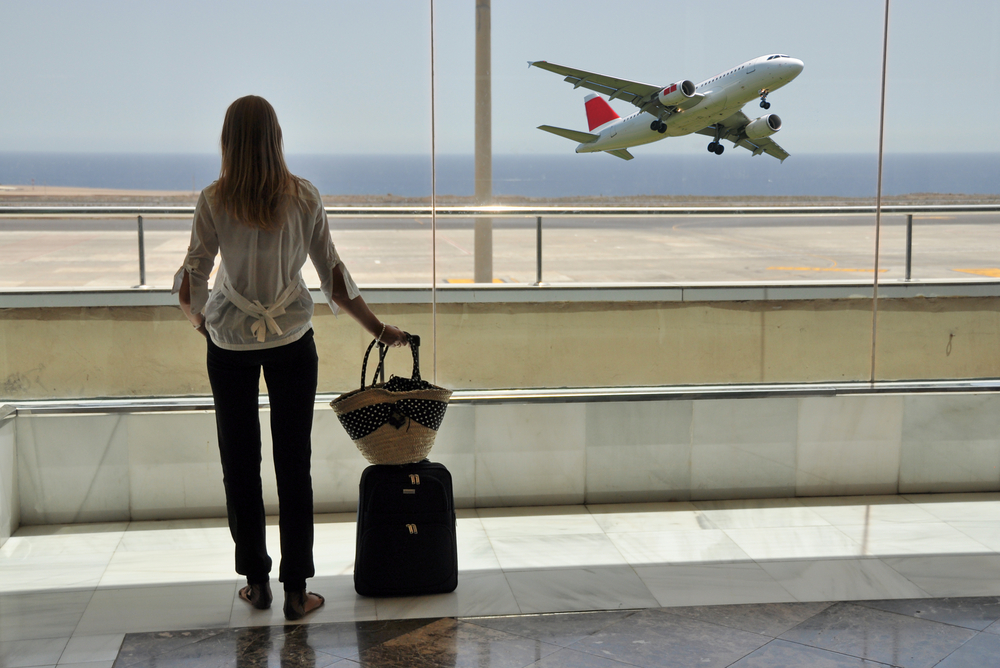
[(414, 341), (415, 349), (382, 349)]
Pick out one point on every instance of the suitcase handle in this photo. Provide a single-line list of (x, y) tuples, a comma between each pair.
[(414, 341)]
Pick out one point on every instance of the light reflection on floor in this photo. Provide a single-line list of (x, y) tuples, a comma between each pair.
[(70, 594)]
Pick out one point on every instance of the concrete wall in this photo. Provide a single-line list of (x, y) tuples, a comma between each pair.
[(10, 503), (136, 351), (108, 466)]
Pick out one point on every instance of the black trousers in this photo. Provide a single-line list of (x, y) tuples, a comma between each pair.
[(290, 372)]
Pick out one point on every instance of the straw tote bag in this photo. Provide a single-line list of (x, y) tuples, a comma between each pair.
[(393, 422)]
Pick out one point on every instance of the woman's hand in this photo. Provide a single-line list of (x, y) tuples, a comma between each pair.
[(394, 336), (198, 322)]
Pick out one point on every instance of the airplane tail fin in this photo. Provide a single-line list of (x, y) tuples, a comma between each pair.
[(599, 112)]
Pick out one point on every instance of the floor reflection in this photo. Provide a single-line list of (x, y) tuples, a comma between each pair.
[(924, 632)]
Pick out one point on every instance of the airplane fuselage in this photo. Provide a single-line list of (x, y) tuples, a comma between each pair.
[(724, 95)]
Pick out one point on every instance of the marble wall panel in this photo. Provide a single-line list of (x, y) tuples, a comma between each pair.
[(455, 447), (849, 445), (10, 505), (951, 443), (638, 451), (73, 468), (530, 454), (336, 465), (174, 466), (743, 448), (89, 467)]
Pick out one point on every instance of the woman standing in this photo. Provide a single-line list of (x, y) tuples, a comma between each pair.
[(264, 222)]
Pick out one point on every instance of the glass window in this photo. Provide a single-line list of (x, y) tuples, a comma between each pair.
[(640, 337), (939, 168)]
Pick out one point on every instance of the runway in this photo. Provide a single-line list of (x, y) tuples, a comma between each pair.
[(103, 252)]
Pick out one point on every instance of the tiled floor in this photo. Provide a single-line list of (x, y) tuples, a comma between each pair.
[(162, 593)]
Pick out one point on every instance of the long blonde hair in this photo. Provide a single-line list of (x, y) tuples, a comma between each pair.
[(254, 177)]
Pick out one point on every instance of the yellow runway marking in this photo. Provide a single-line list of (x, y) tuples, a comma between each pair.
[(469, 280), (823, 269), (992, 273)]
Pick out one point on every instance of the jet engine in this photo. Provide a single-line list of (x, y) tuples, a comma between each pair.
[(765, 126), (676, 93)]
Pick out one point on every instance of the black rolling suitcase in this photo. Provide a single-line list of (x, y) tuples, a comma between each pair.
[(406, 531)]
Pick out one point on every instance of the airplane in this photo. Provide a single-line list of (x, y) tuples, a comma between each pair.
[(712, 108)]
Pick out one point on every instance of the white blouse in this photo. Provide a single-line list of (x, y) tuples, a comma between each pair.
[(259, 299)]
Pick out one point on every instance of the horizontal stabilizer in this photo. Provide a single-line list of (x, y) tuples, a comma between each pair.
[(621, 153), (575, 135)]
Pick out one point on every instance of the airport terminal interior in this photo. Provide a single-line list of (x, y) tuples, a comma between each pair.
[(710, 409)]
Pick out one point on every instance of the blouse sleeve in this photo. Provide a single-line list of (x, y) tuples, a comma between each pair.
[(326, 260), (201, 254)]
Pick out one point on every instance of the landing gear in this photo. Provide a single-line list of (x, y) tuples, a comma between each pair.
[(716, 146), (764, 104), (658, 126)]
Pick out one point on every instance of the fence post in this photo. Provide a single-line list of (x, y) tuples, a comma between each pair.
[(142, 256), (909, 244), (538, 252)]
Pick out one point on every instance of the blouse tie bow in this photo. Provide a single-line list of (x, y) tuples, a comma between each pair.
[(266, 320)]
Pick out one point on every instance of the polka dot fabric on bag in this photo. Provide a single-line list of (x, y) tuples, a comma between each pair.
[(393, 422), (359, 423)]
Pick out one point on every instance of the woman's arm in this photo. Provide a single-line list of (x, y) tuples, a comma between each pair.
[(358, 309), (197, 319)]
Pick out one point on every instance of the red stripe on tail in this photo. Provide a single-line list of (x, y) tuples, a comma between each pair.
[(599, 111)]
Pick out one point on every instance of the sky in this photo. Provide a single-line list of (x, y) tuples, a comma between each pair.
[(350, 77)]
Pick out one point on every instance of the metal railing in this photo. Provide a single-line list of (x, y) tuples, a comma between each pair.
[(521, 212)]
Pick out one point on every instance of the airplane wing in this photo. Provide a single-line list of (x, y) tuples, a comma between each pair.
[(635, 92), (732, 129), (643, 95)]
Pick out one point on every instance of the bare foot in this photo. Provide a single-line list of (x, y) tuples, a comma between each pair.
[(313, 601), (259, 595), (298, 604)]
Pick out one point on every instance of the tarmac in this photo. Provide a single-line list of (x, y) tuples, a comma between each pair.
[(104, 252)]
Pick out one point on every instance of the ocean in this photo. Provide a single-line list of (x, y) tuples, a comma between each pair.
[(735, 173)]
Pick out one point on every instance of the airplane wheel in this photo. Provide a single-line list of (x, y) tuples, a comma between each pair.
[(719, 148), (711, 147), (654, 125), (765, 105), (662, 128)]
